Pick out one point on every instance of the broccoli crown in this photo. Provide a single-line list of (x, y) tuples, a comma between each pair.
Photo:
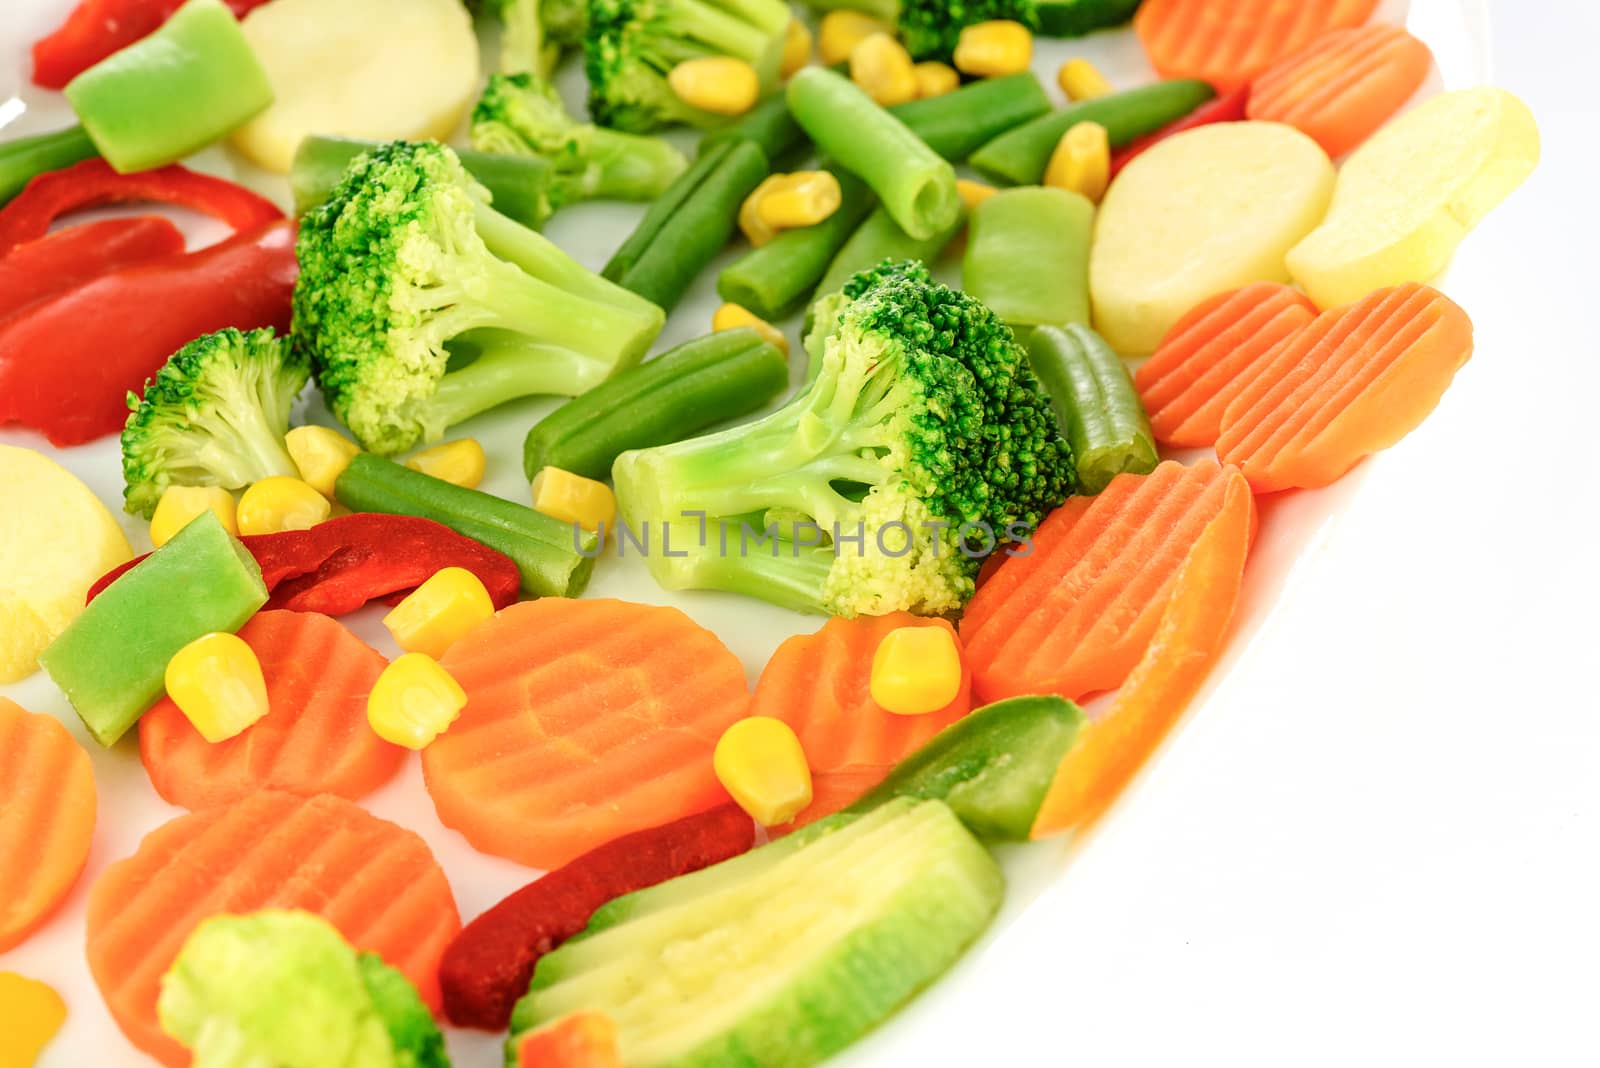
[(416, 1037), (521, 115), (922, 440), (214, 415), (930, 28)]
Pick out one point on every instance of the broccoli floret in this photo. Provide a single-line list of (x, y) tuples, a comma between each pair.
[(522, 115), (214, 415), (420, 306), (412, 1030), (930, 28), (631, 46), (922, 440)]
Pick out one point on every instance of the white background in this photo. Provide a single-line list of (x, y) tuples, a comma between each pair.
[(1375, 839)]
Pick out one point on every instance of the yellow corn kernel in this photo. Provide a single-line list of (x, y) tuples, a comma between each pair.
[(721, 85), (321, 455), (796, 48), (460, 462), (216, 682), (1081, 162), (31, 1013), (916, 670), (574, 499), (733, 316), (759, 761), (882, 67), (1082, 80), (974, 193), (414, 701), (281, 503), (751, 224), (180, 504), (803, 198), (935, 79), (993, 49), (840, 32), (438, 612)]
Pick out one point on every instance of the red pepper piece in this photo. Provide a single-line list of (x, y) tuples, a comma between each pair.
[(68, 258), (1229, 108), (92, 182), (97, 28), (487, 968), (68, 363)]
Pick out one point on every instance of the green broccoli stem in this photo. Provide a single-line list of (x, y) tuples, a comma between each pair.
[(523, 48), (780, 571), (243, 448), (622, 166), (23, 160), (735, 32), (508, 366)]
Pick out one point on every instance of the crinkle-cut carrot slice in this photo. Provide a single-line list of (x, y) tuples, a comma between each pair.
[(1230, 42), (1194, 623), (1074, 616), (585, 720), (376, 882), (1354, 382), (313, 740), (47, 810), (1345, 85), (1209, 356)]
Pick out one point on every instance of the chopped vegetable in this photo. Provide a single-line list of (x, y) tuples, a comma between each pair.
[(836, 926), (758, 760), (179, 505), (768, 125), (284, 988), (1211, 354), (700, 383), (1081, 80), (533, 33), (46, 823), (796, 48), (406, 225), (717, 85), (1028, 256), (882, 67), (1354, 382), (313, 739), (877, 239), (574, 499), (64, 260), (737, 316), (414, 701), (320, 455), (110, 660), (55, 539), (1230, 42), (1229, 108), (1209, 210), (802, 198), (1101, 415), (97, 28), (280, 503), (577, 1040), (214, 415), (931, 29), (189, 83), (935, 78), (1081, 163), (1074, 18), (33, 1012), (436, 614), (1406, 198), (216, 682), (842, 30), (25, 158), (993, 49), (375, 882), (918, 484), (488, 965), (915, 183), (916, 670), (563, 780), (460, 462), (956, 124), (552, 559), (1019, 155)]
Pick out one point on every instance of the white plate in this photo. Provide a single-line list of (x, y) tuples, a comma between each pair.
[(1009, 969)]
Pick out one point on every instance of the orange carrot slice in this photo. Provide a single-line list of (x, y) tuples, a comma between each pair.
[(585, 720), (313, 740), (1209, 355), (1074, 616), (376, 882), (1194, 622), (1344, 86), (47, 808), (1355, 381), (1229, 42), (578, 1040), (820, 685)]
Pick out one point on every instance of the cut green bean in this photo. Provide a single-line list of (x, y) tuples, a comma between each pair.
[(877, 239), (957, 124), (768, 125), (1019, 156), (774, 280), (690, 224), (1074, 18), (23, 160), (676, 395), (915, 183), (1101, 415), (1028, 256), (554, 558)]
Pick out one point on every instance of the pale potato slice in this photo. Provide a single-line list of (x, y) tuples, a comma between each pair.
[(56, 539), (378, 69), (1209, 210), (1406, 198)]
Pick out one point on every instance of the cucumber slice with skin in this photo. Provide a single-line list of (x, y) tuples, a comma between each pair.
[(784, 955)]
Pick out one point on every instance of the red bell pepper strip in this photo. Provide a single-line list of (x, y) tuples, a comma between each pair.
[(1229, 108), (339, 565), (68, 258), (487, 968), (68, 363), (97, 28), (92, 182)]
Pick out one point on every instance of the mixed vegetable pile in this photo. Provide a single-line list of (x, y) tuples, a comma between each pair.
[(992, 491)]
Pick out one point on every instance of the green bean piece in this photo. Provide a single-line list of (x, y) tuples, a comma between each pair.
[(768, 125), (877, 239), (1028, 256), (1101, 415), (957, 124), (1074, 18), (23, 160)]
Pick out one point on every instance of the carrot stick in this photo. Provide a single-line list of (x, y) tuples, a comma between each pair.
[(1229, 42)]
